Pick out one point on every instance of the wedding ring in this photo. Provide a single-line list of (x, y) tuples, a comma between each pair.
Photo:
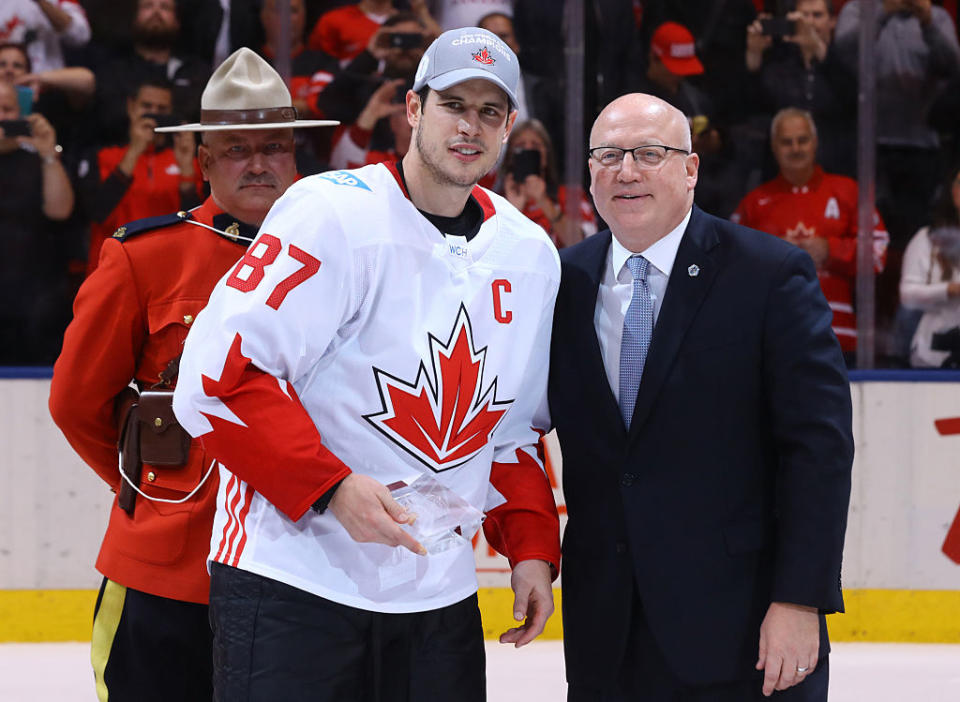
[(802, 669)]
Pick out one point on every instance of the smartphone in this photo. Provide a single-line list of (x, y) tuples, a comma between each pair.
[(525, 162), (402, 40), (163, 120), (25, 99), (15, 127), (778, 27)]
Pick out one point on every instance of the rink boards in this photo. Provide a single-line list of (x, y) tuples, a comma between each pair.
[(898, 583)]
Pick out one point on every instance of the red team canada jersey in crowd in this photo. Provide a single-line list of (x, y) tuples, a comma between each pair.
[(354, 334), (154, 190), (825, 207)]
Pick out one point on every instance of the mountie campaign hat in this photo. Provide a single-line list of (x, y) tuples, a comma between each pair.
[(246, 93), (674, 45), (462, 54)]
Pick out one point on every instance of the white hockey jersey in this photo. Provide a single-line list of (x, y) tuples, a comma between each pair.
[(354, 334)]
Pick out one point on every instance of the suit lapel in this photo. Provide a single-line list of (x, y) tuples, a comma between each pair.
[(684, 295), (591, 263)]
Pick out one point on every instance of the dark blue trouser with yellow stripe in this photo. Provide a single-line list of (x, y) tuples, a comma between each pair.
[(147, 648)]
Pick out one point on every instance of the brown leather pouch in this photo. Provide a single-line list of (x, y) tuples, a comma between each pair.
[(163, 442), (128, 445)]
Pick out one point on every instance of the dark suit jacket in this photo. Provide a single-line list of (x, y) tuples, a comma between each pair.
[(731, 488)]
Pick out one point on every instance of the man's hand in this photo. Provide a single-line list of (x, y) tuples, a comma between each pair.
[(536, 189), (789, 639), (184, 149), (806, 38), (514, 192), (757, 43), (381, 104), (532, 189), (532, 601), (379, 44), (34, 81), (42, 137), (141, 133), (370, 515)]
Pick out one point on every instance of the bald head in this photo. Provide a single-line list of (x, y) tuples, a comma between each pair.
[(646, 109), (643, 200)]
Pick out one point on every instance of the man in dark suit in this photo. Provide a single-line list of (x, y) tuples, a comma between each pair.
[(704, 417)]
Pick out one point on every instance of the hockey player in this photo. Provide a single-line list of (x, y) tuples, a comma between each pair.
[(151, 637), (388, 322)]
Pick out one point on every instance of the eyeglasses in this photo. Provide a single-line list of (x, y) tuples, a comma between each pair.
[(647, 156)]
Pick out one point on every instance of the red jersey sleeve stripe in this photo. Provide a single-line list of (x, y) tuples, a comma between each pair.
[(229, 529), (242, 524)]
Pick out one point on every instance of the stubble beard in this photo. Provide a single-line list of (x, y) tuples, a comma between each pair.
[(440, 176)]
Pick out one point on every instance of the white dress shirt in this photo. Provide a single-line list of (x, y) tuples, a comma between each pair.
[(616, 290)]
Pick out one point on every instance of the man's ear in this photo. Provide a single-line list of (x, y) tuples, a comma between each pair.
[(692, 167), (414, 108), (204, 158)]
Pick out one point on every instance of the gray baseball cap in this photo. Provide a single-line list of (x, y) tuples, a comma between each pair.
[(461, 54)]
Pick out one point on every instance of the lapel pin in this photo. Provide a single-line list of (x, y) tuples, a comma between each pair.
[(694, 270)]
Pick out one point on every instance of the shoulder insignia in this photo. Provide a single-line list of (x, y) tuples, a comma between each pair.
[(344, 178), (139, 226)]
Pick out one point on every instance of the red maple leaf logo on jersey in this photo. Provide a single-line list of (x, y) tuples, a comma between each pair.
[(7, 30), (483, 56), (445, 417)]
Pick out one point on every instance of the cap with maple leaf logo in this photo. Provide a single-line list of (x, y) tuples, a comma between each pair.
[(466, 53)]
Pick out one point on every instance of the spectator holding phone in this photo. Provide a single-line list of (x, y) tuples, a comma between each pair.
[(16, 67), (345, 32), (930, 282), (59, 94), (791, 62), (44, 27), (144, 177), (35, 196), (357, 147), (393, 51), (528, 179), (358, 99)]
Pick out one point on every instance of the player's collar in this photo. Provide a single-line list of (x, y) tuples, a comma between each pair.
[(478, 194), (786, 186)]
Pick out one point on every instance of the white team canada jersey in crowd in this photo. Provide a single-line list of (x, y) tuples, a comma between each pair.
[(410, 351)]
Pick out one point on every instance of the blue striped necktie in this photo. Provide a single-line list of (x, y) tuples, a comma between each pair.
[(637, 330)]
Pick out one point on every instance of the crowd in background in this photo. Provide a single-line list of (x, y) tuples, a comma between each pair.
[(769, 86)]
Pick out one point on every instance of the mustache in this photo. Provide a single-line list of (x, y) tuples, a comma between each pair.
[(259, 179)]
